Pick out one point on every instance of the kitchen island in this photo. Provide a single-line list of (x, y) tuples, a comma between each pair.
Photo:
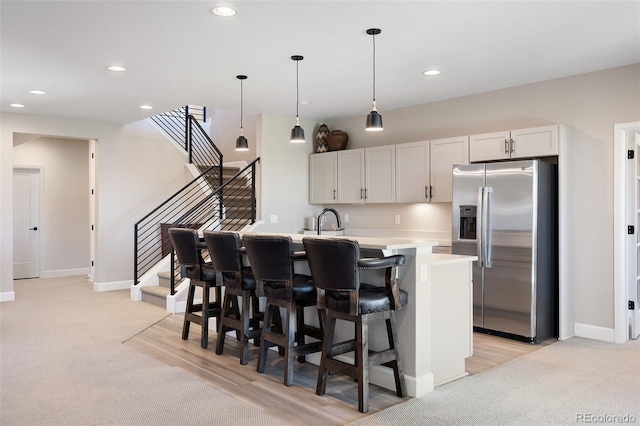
[(435, 330)]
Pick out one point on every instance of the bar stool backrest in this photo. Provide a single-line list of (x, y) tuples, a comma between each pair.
[(333, 263), (223, 248), (185, 243), (270, 257)]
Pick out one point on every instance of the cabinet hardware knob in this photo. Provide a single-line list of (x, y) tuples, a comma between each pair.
[(35, 228)]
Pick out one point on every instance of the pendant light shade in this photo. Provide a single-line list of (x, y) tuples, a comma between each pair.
[(297, 133), (241, 143), (374, 119)]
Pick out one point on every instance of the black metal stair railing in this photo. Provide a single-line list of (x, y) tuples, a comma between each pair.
[(151, 240), (182, 125), (204, 203), (231, 207)]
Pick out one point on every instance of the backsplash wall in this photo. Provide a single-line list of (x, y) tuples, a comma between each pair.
[(416, 219)]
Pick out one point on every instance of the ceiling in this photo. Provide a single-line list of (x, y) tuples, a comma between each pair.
[(178, 53)]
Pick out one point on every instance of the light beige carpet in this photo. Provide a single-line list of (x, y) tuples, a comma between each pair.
[(576, 381), (62, 362)]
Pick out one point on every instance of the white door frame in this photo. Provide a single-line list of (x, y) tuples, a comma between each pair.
[(93, 149), (39, 170), (620, 258)]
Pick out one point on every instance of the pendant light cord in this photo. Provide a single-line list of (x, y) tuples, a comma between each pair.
[(374, 67), (297, 90), (241, 97)]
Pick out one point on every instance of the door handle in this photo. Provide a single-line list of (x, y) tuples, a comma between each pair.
[(35, 228)]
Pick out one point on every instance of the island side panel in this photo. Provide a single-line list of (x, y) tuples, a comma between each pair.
[(451, 315)]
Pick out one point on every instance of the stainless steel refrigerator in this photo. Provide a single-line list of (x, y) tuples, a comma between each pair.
[(506, 214)]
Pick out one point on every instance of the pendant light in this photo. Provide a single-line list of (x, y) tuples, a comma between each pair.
[(297, 133), (241, 143), (374, 119)]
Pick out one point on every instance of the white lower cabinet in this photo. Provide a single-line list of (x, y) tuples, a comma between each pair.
[(423, 169), (523, 143)]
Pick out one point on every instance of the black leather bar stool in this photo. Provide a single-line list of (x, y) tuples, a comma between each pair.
[(335, 266), (226, 256), (185, 243), (272, 259)]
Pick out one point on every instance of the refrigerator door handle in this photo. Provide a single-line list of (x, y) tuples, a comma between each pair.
[(486, 226), (480, 227)]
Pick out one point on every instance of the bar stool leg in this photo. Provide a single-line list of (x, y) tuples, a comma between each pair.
[(327, 344), (245, 320), (205, 316), (290, 338), (398, 374), (362, 357), (188, 310), (266, 328)]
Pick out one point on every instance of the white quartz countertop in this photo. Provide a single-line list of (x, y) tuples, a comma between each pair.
[(376, 243)]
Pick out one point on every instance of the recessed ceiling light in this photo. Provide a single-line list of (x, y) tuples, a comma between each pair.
[(224, 11), (17, 105), (116, 68), (305, 102), (146, 107), (431, 72), (37, 92)]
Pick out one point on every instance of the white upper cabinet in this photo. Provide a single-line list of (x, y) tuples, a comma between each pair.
[(412, 172), (423, 169), (353, 176), (323, 178), (380, 174), (535, 142), (351, 183), (522, 143), (444, 154)]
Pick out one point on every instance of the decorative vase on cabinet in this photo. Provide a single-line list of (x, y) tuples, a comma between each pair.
[(321, 138), (337, 140)]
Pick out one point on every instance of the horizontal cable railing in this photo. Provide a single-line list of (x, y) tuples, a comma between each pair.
[(151, 241), (204, 203), (231, 207)]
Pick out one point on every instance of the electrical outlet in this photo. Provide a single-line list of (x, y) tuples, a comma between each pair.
[(273, 218), (396, 219), (346, 218)]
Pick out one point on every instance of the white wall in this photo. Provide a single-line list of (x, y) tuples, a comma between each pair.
[(65, 226), (283, 172), (591, 104), (225, 129), (137, 169)]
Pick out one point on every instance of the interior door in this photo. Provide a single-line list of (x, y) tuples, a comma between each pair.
[(26, 216)]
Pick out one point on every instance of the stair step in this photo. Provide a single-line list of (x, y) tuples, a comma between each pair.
[(164, 279), (234, 224), (155, 295)]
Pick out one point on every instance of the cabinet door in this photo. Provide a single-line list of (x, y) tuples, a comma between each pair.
[(489, 146), (535, 142), (412, 172), (444, 154), (351, 176), (323, 177), (380, 174)]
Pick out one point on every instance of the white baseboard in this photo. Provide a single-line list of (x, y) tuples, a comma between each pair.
[(595, 332), (113, 285), (64, 273), (7, 296)]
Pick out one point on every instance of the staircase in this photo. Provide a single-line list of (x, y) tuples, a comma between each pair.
[(219, 198)]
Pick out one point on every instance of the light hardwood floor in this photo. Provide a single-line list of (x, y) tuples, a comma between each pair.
[(297, 404)]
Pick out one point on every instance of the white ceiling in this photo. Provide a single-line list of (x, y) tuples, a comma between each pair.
[(178, 53)]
